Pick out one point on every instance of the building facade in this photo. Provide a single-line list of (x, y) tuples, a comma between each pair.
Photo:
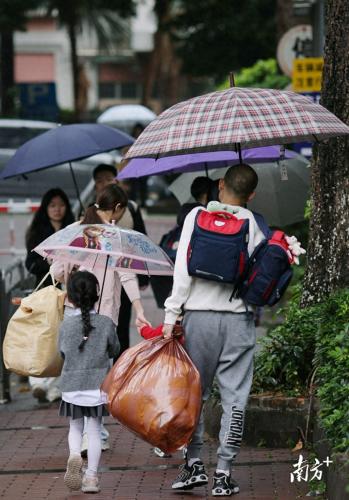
[(108, 76)]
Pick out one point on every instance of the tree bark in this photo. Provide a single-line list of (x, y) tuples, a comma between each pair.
[(163, 65), (7, 74), (151, 70), (284, 16), (75, 67), (327, 260)]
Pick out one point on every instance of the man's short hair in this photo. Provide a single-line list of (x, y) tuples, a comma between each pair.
[(104, 167), (241, 180), (200, 186)]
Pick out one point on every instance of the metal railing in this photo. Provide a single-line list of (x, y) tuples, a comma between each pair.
[(14, 281)]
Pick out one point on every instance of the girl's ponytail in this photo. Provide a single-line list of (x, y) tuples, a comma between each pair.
[(82, 291), (91, 216)]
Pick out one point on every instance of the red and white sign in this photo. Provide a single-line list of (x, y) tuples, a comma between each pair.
[(12, 207)]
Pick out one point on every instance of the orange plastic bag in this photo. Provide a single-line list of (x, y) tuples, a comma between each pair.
[(154, 390)]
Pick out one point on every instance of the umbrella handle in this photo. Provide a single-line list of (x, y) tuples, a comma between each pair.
[(76, 188), (105, 272)]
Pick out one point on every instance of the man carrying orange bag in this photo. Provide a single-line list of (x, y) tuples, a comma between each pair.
[(219, 333)]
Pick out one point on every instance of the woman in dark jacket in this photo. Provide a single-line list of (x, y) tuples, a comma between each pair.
[(54, 213)]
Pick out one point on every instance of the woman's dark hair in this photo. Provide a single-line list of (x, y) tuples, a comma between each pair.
[(41, 227), (111, 196), (82, 288)]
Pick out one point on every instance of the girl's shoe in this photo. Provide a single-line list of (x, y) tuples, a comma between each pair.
[(39, 392), (161, 453), (90, 484), (72, 477)]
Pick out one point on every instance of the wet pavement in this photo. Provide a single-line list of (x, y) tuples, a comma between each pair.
[(33, 454), (33, 449)]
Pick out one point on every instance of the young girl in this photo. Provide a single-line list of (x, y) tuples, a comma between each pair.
[(86, 341), (110, 206)]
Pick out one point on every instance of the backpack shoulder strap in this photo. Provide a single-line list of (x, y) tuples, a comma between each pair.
[(132, 206), (262, 224)]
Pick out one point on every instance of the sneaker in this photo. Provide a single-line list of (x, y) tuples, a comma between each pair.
[(190, 477), (161, 453), (72, 477), (105, 445), (90, 484), (39, 393), (224, 486), (84, 445)]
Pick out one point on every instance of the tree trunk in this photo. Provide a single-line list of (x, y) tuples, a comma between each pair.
[(75, 67), (284, 16), (159, 67), (151, 70), (7, 74), (327, 261)]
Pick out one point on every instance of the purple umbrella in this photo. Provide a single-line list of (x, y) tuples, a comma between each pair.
[(139, 167)]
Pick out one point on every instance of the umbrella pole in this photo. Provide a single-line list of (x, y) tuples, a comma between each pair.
[(239, 152), (206, 170), (105, 272), (76, 188), (232, 84)]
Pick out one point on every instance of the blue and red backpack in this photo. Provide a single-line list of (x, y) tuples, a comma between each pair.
[(218, 251), (218, 247), (269, 271)]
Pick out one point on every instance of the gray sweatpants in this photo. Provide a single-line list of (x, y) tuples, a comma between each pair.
[(221, 345)]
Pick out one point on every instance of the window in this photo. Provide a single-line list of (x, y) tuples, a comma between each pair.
[(107, 90), (119, 90), (129, 90)]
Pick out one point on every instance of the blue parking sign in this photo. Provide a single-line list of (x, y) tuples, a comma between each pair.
[(38, 101)]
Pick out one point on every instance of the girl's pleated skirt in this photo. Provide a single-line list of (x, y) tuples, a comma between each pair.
[(76, 411)]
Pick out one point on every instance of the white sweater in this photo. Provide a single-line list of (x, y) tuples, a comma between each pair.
[(197, 294)]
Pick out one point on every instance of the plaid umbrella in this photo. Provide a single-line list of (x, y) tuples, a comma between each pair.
[(236, 117)]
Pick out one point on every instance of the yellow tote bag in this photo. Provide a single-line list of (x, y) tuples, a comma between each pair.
[(31, 342)]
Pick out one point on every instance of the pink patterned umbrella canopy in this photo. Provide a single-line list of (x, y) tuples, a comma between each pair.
[(247, 117), (98, 245)]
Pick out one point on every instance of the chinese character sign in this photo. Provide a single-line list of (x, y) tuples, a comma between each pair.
[(305, 471), (307, 74)]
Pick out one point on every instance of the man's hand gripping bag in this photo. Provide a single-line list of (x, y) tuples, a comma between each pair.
[(154, 390)]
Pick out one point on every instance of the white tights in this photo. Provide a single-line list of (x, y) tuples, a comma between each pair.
[(93, 428)]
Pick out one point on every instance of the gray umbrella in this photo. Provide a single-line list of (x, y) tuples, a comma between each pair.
[(281, 195)]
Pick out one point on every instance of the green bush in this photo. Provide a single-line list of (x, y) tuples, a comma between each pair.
[(263, 74), (285, 361), (332, 370), (313, 337)]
